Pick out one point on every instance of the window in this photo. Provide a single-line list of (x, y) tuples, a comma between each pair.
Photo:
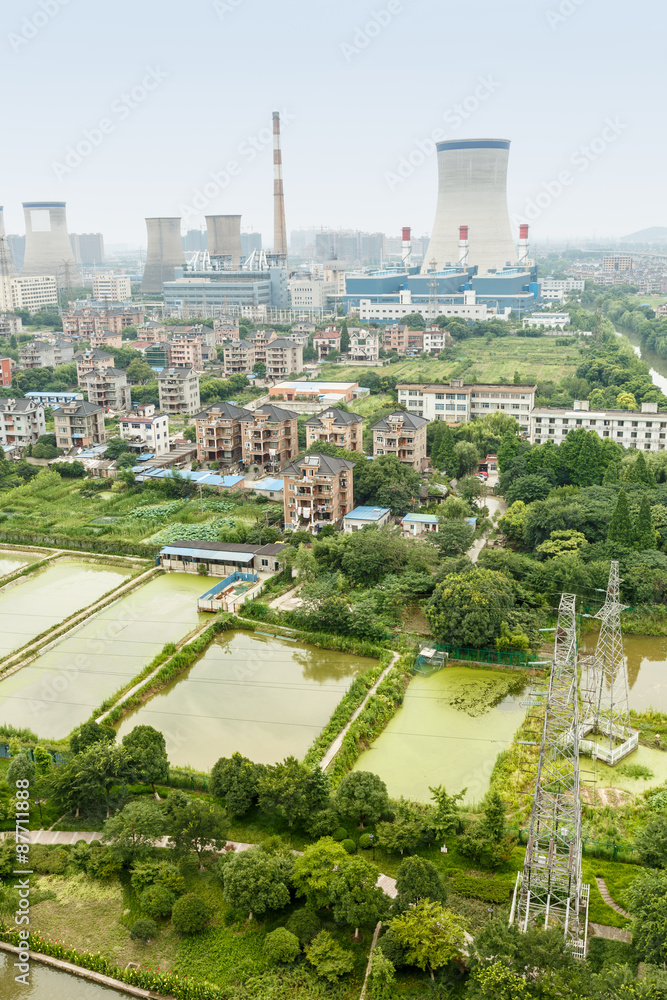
[(621, 423), (450, 406), (460, 407), (635, 423), (633, 434), (552, 420), (619, 434), (460, 396), (439, 406), (450, 395), (439, 395), (565, 421)]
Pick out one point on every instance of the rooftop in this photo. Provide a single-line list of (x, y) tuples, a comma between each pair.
[(337, 415), (274, 412), (325, 465), (320, 387), (268, 484), (367, 514), (447, 386), (408, 420)]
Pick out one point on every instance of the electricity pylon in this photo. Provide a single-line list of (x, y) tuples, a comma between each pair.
[(549, 892)]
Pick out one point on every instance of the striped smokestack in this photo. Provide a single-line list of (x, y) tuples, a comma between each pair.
[(279, 225)]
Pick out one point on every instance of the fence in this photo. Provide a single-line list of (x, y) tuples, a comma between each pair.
[(183, 779), (56, 757), (502, 657)]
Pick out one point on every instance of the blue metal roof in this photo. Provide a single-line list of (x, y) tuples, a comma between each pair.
[(223, 555), (145, 458), (422, 518), (272, 485), (367, 513)]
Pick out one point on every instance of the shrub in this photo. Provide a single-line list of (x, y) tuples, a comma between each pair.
[(350, 846), (365, 841), (490, 890), (328, 958), (145, 873), (144, 930), (190, 914), (340, 833), (281, 946), (48, 862), (305, 923), (102, 863), (157, 901)]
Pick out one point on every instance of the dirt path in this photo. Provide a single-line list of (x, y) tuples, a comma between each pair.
[(604, 892)]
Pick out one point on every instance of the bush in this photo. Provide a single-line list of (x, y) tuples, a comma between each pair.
[(157, 901), (190, 914), (46, 861), (144, 930), (328, 958), (281, 946), (365, 841), (350, 846), (340, 833), (489, 890), (145, 873), (305, 923)]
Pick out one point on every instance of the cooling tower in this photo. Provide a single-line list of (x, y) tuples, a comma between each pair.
[(47, 244), (6, 261), (224, 237), (164, 253), (472, 191)]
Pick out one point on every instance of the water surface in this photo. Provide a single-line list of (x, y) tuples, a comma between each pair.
[(49, 984), (267, 698), (646, 664), (13, 559)]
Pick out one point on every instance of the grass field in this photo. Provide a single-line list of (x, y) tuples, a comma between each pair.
[(536, 359)]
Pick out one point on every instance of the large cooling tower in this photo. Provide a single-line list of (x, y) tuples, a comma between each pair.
[(472, 192), (164, 253), (6, 261), (47, 245), (224, 237)]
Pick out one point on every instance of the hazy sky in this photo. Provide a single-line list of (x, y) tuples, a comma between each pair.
[(186, 89)]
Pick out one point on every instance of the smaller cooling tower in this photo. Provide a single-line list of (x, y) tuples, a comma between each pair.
[(224, 237), (164, 254), (47, 244), (7, 266)]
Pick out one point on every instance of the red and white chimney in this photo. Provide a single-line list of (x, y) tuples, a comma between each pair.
[(406, 254), (523, 244), (464, 246)]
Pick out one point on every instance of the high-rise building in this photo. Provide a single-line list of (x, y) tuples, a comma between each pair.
[(17, 250), (250, 242), (7, 265), (48, 250), (195, 240), (112, 287), (88, 248)]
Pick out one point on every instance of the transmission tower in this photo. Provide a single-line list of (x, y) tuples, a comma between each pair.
[(549, 892), (606, 704)]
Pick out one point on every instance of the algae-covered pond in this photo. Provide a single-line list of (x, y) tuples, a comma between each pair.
[(60, 689), (39, 601), (265, 697), (449, 731)]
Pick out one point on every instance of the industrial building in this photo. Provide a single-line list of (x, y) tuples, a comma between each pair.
[(163, 255), (48, 250), (213, 292)]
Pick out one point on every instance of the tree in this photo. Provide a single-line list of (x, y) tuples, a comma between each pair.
[(620, 526), (21, 768), (647, 897), (471, 490), (382, 977), (446, 455), (316, 871), (116, 447), (453, 538), (497, 982), (445, 818), (190, 433), (626, 401), (494, 816), (329, 960), (344, 339), (305, 923), (357, 898), (361, 797), (639, 472), (509, 448), (236, 780), (468, 610), (418, 878), (190, 914), (147, 749), (157, 901), (281, 946), (561, 542), (255, 881), (386, 482), (139, 372), (644, 535), (651, 843), (194, 825), (512, 639), (306, 564), (287, 790), (144, 930), (431, 935), (404, 834), (528, 489), (371, 553), (102, 766), (90, 733), (133, 831), (45, 451), (467, 457), (259, 369)]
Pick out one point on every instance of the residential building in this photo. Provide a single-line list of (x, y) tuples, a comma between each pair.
[(185, 352), (403, 435), (108, 387), (645, 430), (221, 558), (660, 311), (318, 492), (40, 354), (225, 331), (343, 392), (298, 338), (104, 339), (303, 329), (550, 321), (457, 403), (79, 425), (364, 517), (398, 337), (616, 262), (122, 316), (10, 325), (5, 372), (21, 422), (260, 340), (88, 248), (152, 332), (238, 357), (327, 340), (178, 390), (146, 430), (112, 287), (220, 433), (419, 524), (84, 323), (549, 286), (31, 292), (364, 344), (283, 357), (90, 359), (155, 355), (270, 437), (54, 398), (436, 340), (336, 426), (269, 488)]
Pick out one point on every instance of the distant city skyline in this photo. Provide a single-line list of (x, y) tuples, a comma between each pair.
[(180, 125)]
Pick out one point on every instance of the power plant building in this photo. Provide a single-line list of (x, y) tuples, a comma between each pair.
[(48, 250), (210, 292), (164, 253)]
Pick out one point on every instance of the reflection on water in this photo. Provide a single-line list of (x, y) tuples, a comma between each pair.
[(267, 698), (646, 664), (13, 559), (657, 364), (438, 738), (49, 984)]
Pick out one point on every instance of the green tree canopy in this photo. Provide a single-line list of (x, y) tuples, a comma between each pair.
[(620, 526), (316, 872), (468, 609), (235, 779), (418, 878), (132, 832), (194, 824), (431, 935), (361, 797), (148, 751), (255, 881)]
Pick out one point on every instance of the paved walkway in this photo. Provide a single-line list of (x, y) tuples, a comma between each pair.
[(289, 601), (495, 504), (606, 895)]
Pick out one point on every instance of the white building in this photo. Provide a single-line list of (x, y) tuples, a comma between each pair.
[(364, 344), (646, 430), (178, 390), (32, 292), (470, 308), (21, 422), (364, 517), (550, 321), (311, 294), (551, 285), (436, 340), (112, 287), (146, 430), (458, 403)]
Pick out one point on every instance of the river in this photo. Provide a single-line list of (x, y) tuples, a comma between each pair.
[(49, 984), (657, 364)]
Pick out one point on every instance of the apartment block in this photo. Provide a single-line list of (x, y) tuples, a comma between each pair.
[(403, 435), (5, 372), (146, 430), (364, 344), (436, 340), (185, 352), (327, 340), (270, 437), (112, 287), (91, 359), (32, 292), (220, 433), (178, 390), (238, 357), (645, 430), (283, 357), (108, 387), (40, 354), (336, 426), (260, 340), (457, 403), (21, 422), (84, 323), (398, 337), (105, 339), (10, 325), (318, 492), (79, 425)]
